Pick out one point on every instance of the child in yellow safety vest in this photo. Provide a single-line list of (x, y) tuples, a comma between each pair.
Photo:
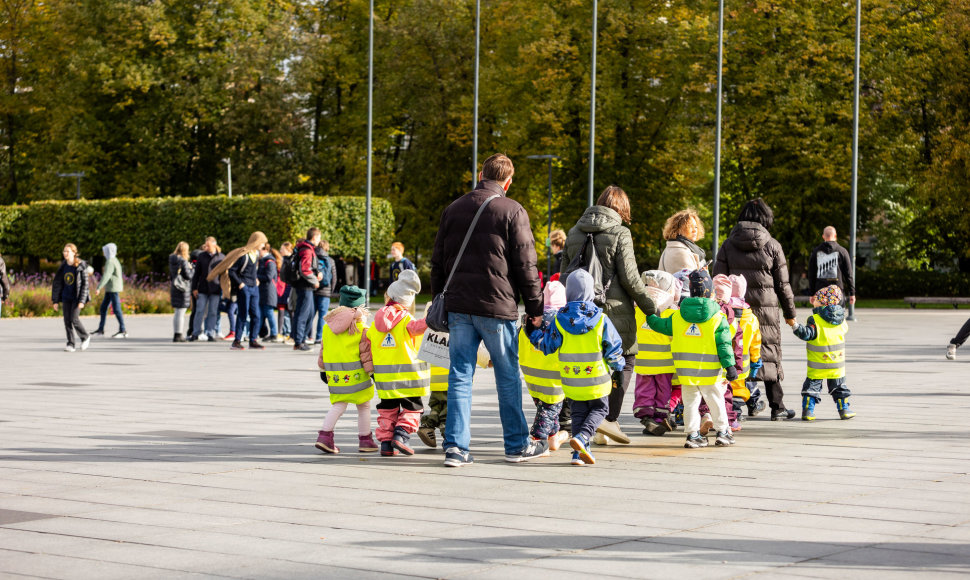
[(437, 415), (750, 351), (401, 378), (722, 295), (589, 349), (824, 335), (540, 373), (702, 351), (345, 366), (654, 363)]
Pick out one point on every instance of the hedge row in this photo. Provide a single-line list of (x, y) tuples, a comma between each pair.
[(903, 283), (153, 226)]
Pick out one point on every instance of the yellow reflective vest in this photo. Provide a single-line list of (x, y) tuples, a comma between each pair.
[(694, 350), (541, 372), (398, 372), (826, 354), (439, 379), (347, 380), (750, 342), (584, 374), (653, 348)]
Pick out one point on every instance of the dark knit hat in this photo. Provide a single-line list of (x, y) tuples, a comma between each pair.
[(701, 284), (351, 296)]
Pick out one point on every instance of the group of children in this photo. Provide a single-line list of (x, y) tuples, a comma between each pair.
[(700, 353)]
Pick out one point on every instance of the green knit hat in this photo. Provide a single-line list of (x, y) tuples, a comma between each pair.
[(351, 296)]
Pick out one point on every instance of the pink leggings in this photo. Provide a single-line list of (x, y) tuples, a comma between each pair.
[(338, 409)]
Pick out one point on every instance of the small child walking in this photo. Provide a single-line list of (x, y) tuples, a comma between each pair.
[(589, 350), (702, 352), (541, 374), (750, 350), (654, 363), (345, 366), (401, 378), (824, 335), (437, 415)]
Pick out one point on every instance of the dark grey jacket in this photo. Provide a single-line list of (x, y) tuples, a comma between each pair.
[(752, 253), (614, 247), (180, 272), (83, 289), (830, 264)]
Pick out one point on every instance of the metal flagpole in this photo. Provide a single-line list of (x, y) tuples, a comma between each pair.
[(717, 131), (370, 149), (855, 147), (592, 108), (478, 21)]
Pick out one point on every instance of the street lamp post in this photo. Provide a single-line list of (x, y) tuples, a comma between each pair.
[(717, 131), (228, 163), (855, 146), (370, 149), (549, 222), (592, 109), (478, 20), (77, 175)]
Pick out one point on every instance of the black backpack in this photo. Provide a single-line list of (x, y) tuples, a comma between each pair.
[(291, 269), (587, 260)]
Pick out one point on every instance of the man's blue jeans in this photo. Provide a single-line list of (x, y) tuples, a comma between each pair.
[(304, 310), (248, 300), (501, 339), (111, 299), (208, 315), (321, 304)]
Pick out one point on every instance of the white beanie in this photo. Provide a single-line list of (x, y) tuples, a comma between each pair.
[(404, 288)]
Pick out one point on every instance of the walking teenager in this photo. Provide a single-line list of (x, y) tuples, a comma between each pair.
[(70, 292), (112, 283)]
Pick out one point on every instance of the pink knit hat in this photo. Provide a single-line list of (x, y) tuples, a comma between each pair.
[(554, 295), (739, 287), (722, 288)]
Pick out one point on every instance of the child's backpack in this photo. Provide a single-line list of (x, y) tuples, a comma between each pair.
[(291, 269), (325, 270), (587, 260)]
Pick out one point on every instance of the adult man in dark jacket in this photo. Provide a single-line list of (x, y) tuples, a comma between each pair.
[(207, 294), (309, 280), (498, 266), (830, 264)]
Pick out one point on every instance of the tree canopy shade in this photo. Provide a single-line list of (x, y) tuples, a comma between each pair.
[(147, 97)]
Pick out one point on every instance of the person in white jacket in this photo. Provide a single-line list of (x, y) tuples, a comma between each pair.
[(682, 231)]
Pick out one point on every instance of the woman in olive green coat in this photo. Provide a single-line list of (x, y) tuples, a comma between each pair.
[(614, 248), (112, 283)]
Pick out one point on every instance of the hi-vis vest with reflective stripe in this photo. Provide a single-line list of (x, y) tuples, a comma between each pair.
[(397, 371), (439, 379), (541, 372), (653, 348), (826, 354), (346, 378), (747, 335), (695, 350), (583, 372)]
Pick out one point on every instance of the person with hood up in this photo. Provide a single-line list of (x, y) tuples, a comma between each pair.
[(345, 366), (540, 372), (654, 363), (751, 252), (590, 350), (240, 267), (401, 378), (112, 283), (702, 352), (824, 335)]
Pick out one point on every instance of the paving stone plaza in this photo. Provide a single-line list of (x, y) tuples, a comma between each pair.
[(140, 458)]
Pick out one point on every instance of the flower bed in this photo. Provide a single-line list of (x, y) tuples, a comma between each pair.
[(30, 295)]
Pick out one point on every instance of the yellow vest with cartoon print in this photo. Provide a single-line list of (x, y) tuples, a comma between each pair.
[(583, 371), (541, 372), (347, 380), (398, 372)]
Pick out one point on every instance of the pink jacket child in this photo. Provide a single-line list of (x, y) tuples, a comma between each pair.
[(401, 378), (346, 367), (723, 288)]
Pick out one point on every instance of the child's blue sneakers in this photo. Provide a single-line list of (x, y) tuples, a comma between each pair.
[(576, 459), (581, 447), (844, 412), (808, 408)]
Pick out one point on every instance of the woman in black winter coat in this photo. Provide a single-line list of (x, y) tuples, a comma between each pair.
[(70, 293), (180, 271), (751, 252)]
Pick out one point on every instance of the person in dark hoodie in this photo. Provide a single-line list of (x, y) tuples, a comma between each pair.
[(751, 252), (590, 350), (830, 264), (824, 336), (703, 353)]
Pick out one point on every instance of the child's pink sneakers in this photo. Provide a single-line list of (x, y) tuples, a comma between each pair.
[(325, 442)]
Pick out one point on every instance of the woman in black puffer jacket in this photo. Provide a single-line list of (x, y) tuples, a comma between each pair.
[(180, 271), (751, 252)]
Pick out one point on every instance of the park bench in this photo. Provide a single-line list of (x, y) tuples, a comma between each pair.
[(956, 301)]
